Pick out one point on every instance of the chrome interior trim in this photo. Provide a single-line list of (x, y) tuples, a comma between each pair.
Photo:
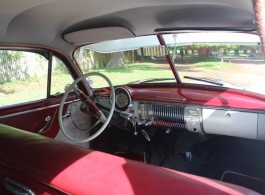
[(201, 121), (17, 188), (34, 110), (195, 105), (163, 114)]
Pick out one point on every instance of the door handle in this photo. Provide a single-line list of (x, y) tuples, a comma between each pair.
[(47, 120), (17, 188)]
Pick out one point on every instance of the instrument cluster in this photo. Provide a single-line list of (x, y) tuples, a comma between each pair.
[(122, 99)]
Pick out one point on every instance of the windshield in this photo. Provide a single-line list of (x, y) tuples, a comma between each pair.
[(232, 63), (124, 67), (231, 60)]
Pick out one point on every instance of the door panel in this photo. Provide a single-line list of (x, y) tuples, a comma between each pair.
[(31, 84), (31, 116)]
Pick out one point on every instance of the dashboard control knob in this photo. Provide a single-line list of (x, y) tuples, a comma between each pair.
[(84, 106), (188, 156), (128, 116), (141, 122), (149, 123), (168, 130), (131, 111), (228, 115)]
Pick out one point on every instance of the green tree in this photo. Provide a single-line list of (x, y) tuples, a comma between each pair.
[(9, 57)]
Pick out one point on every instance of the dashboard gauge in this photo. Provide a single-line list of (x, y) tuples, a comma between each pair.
[(122, 99)]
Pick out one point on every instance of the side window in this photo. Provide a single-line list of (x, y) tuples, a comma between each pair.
[(60, 76), (23, 77)]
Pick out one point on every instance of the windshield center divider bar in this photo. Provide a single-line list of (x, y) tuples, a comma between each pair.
[(169, 59)]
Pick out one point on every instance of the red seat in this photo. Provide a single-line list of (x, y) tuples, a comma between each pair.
[(49, 166)]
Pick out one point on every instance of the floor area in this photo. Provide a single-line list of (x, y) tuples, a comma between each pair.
[(211, 156), (217, 156)]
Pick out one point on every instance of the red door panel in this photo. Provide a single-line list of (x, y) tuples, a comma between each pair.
[(31, 116)]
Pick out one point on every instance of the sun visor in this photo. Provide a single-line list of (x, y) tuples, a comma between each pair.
[(95, 35), (124, 44)]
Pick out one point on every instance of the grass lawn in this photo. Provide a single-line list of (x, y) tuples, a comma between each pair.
[(23, 91), (129, 73), (35, 88), (210, 63), (31, 89), (213, 65)]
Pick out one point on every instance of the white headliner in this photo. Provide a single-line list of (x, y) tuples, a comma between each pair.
[(46, 21)]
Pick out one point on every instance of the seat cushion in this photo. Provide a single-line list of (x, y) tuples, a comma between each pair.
[(74, 170)]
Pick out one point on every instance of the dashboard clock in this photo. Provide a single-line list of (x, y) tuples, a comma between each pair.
[(122, 99)]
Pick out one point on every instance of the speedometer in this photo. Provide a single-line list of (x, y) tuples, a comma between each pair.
[(122, 99)]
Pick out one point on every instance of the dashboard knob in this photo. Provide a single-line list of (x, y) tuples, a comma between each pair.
[(127, 116), (141, 122), (149, 123), (228, 115)]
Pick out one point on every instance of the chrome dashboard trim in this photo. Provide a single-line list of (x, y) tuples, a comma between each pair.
[(201, 121), (195, 106), (171, 98), (158, 108), (202, 106)]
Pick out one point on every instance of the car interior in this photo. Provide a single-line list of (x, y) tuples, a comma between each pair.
[(132, 97)]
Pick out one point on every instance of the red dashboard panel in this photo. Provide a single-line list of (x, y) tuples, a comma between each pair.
[(225, 98)]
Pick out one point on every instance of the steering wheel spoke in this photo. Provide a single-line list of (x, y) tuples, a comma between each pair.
[(87, 107)]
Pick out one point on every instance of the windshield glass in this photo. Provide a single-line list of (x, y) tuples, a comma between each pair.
[(231, 60), (124, 67)]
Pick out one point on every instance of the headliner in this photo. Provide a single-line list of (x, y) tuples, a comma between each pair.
[(46, 21)]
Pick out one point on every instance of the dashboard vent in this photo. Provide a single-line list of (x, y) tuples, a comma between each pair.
[(163, 115)]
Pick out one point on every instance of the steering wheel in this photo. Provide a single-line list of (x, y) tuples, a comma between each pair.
[(87, 106)]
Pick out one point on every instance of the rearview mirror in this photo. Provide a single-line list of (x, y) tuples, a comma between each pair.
[(157, 51)]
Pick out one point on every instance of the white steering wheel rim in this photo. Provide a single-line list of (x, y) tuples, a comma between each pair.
[(108, 118)]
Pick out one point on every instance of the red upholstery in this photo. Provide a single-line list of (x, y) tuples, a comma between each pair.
[(48, 166)]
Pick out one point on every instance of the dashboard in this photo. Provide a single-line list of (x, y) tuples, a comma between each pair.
[(200, 111)]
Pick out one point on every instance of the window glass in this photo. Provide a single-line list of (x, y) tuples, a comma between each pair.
[(23, 77), (124, 67), (220, 59), (60, 76), (228, 60)]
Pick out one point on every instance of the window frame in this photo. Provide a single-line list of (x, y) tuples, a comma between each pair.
[(47, 54)]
